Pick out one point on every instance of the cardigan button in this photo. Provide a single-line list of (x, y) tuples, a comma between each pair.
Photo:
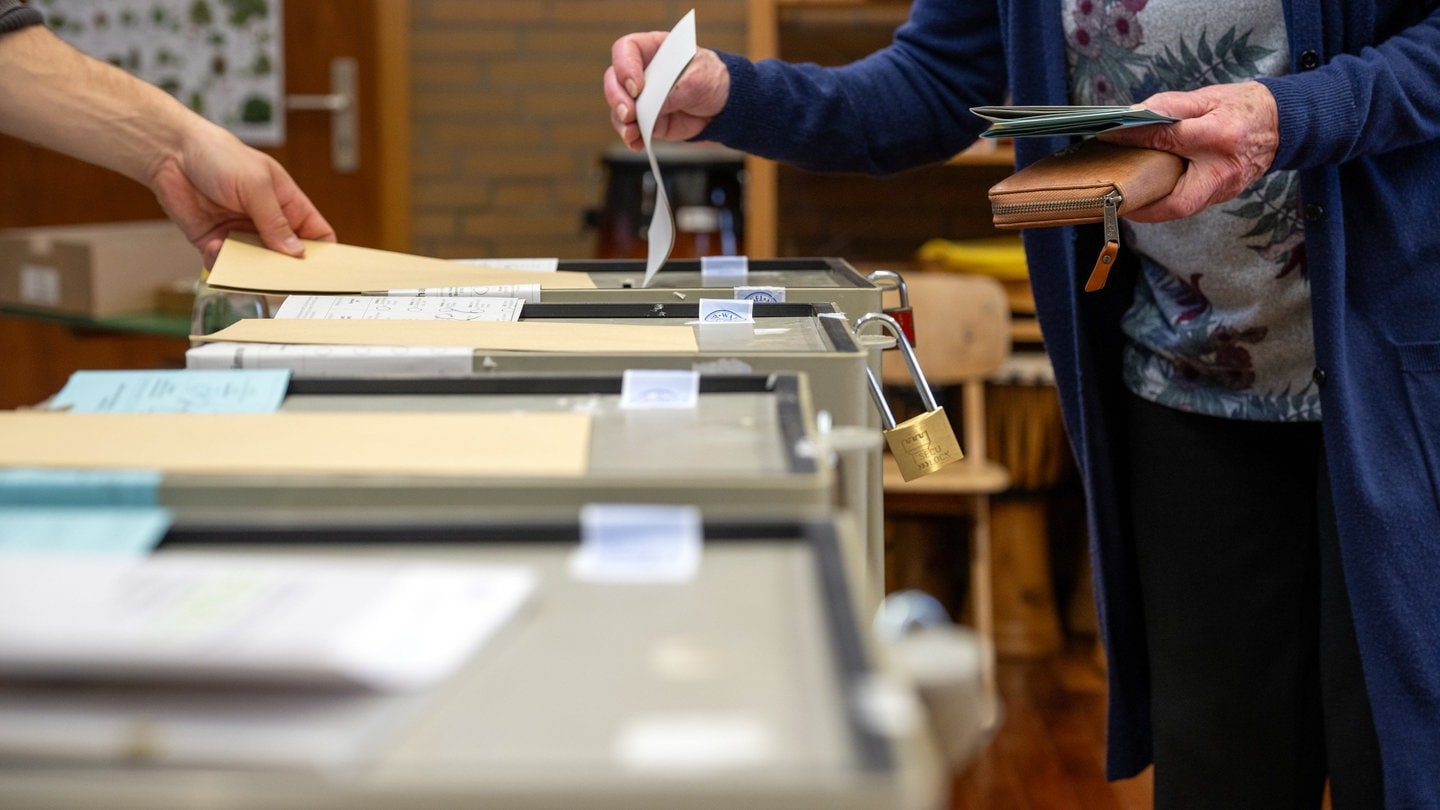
[(1314, 213), (1309, 60), (1318, 375)]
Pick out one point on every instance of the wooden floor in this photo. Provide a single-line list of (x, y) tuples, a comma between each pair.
[(1049, 752)]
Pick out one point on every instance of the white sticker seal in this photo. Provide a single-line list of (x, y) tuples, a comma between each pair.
[(695, 743), (724, 271), (650, 389), (726, 310), (761, 295), (621, 542)]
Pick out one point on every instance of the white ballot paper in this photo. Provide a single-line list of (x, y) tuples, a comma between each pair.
[(308, 360), (664, 70), (276, 620), (397, 308)]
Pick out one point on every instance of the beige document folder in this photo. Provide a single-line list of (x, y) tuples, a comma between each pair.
[(531, 336), (315, 443), (330, 268)]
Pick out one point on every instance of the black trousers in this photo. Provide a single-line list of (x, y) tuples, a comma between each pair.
[(1257, 690)]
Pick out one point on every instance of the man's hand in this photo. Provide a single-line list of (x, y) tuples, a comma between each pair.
[(216, 184)]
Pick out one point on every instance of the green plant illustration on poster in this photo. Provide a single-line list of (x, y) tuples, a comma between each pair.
[(222, 58)]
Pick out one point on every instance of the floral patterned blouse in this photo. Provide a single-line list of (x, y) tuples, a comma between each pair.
[(1221, 321)]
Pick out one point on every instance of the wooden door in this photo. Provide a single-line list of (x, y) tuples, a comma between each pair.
[(368, 206)]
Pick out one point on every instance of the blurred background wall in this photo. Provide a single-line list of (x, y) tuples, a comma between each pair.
[(509, 127)]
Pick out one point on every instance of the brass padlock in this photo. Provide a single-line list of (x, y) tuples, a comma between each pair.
[(902, 312), (921, 444)]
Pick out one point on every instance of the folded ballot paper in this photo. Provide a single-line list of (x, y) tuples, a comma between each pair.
[(1041, 121)]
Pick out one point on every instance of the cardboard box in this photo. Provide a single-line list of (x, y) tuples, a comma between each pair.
[(94, 270)]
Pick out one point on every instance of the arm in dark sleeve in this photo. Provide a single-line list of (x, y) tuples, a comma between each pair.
[(1380, 98), (900, 107), (15, 15)]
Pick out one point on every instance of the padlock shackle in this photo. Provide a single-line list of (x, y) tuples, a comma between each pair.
[(877, 276), (887, 416), (906, 351), (890, 280)]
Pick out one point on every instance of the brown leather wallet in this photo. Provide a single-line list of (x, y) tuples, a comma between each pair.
[(1089, 181)]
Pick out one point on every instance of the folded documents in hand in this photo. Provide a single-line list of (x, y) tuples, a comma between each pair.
[(1032, 122)]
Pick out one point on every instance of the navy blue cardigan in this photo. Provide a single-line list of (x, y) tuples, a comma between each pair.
[(15, 15), (1360, 119)]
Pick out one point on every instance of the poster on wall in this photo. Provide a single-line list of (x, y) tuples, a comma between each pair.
[(221, 58)]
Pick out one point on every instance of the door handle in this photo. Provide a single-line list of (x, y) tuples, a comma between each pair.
[(342, 102)]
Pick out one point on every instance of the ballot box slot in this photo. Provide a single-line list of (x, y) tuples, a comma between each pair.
[(687, 311), (529, 385), (785, 388)]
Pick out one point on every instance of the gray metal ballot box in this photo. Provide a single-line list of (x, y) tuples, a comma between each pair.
[(545, 713), (742, 448), (812, 338)]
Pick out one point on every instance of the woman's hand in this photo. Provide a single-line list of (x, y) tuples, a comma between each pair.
[(696, 98), (1227, 132)]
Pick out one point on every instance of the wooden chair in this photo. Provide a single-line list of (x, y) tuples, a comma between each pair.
[(962, 336)]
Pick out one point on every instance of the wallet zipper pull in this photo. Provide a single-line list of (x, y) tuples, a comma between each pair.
[(1112, 243)]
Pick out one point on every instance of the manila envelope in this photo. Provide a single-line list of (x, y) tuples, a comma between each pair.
[(523, 336), (329, 268), (518, 444)]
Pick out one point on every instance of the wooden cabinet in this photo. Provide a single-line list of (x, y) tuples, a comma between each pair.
[(42, 353), (790, 212)]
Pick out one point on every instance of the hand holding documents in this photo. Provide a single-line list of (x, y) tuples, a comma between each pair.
[(1041, 121)]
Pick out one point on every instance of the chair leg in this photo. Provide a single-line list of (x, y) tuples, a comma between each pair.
[(982, 605)]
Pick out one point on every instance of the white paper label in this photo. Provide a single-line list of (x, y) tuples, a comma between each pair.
[(647, 389), (761, 295), (39, 284), (724, 271), (638, 543), (725, 310)]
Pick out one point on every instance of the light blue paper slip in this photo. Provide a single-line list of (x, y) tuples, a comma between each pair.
[(59, 487), (1042, 121), (174, 391), (128, 531)]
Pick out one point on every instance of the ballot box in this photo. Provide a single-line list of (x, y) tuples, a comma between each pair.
[(750, 683), (531, 445), (813, 338), (241, 292)]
